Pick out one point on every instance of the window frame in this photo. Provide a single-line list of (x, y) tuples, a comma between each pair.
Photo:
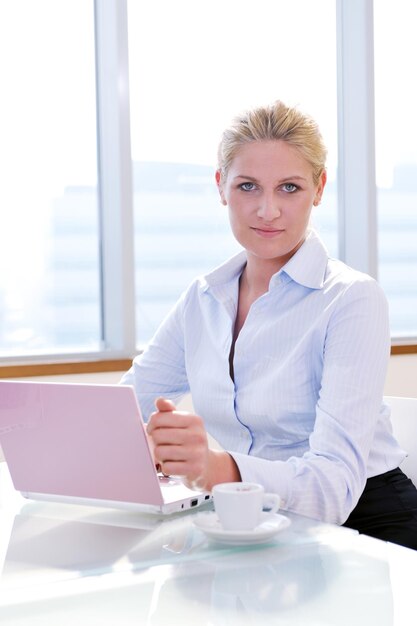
[(356, 163)]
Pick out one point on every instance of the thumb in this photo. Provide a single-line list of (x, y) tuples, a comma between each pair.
[(163, 404)]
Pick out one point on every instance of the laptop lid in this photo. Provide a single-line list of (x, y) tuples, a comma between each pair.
[(85, 443)]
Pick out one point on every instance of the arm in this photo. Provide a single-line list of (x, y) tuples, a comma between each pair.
[(178, 439), (160, 369), (327, 481)]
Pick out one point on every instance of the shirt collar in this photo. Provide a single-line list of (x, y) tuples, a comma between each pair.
[(226, 272), (307, 267)]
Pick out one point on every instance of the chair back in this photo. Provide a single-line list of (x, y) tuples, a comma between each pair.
[(404, 424)]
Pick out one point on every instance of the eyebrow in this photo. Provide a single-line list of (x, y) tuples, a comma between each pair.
[(283, 180)]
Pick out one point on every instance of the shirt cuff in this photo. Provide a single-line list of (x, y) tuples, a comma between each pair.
[(274, 476)]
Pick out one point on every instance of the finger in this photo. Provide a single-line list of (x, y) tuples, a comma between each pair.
[(170, 452), (173, 419), (193, 441), (173, 468), (167, 437), (163, 404), (163, 416)]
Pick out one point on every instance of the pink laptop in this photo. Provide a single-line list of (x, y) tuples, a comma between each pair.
[(86, 444)]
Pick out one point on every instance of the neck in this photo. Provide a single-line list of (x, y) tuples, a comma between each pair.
[(258, 273)]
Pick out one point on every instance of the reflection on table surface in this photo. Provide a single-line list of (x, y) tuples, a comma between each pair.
[(63, 564)]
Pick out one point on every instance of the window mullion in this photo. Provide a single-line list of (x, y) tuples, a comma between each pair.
[(115, 177), (356, 124)]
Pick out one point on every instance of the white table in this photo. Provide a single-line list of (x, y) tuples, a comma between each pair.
[(66, 565)]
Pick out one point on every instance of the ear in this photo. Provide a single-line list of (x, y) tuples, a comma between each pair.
[(219, 184), (320, 188)]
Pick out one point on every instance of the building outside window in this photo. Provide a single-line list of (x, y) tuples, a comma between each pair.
[(49, 235), (396, 159)]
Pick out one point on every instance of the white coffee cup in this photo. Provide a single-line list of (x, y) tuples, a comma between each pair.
[(239, 506)]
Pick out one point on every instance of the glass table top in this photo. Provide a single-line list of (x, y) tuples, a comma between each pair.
[(63, 564)]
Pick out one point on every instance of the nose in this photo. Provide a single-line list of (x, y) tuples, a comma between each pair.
[(268, 208)]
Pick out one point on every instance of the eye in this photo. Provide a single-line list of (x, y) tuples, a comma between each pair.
[(289, 187), (247, 186)]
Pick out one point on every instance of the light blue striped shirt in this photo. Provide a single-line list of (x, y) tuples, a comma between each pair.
[(304, 415)]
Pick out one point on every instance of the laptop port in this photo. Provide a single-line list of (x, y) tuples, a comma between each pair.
[(194, 502)]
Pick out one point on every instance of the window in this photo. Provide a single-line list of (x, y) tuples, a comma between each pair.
[(49, 243), (186, 83), (97, 202), (396, 159)]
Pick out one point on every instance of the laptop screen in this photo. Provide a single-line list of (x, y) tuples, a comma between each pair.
[(80, 440)]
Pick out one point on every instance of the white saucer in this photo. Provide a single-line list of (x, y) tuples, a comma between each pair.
[(271, 524)]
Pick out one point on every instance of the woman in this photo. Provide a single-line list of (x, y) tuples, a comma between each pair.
[(283, 349)]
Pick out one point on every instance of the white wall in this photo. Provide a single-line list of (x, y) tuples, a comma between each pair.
[(402, 376)]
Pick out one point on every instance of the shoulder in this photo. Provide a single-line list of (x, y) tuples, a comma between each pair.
[(337, 268), (355, 291)]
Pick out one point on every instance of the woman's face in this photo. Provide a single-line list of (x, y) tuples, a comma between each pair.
[(270, 192)]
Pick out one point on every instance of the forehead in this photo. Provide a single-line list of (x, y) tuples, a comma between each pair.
[(273, 156)]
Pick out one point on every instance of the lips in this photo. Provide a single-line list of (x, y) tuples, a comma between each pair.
[(268, 233)]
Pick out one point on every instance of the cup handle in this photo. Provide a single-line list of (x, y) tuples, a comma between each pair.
[(271, 502)]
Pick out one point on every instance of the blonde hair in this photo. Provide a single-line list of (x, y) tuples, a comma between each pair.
[(276, 121)]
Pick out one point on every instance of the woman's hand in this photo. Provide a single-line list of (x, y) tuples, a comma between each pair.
[(180, 447)]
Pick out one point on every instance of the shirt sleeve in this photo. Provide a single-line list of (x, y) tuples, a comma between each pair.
[(160, 369), (327, 481)]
